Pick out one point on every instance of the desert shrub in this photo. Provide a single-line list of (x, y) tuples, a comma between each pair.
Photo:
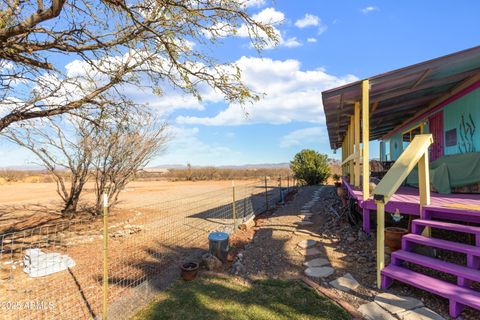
[(215, 173), (310, 167)]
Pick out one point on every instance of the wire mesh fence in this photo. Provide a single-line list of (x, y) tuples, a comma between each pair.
[(56, 271)]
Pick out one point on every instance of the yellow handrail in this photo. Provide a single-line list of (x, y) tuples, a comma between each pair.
[(416, 152)]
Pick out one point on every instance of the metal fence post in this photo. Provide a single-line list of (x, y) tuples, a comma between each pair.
[(280, 189), (266, 193), (105, 254), (234, 207)]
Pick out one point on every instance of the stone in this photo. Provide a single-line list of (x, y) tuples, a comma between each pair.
[(362, 236), (304, 211), (211, 262), (318, 262), (319, 272), (397, 304), (305, 215), (351, 239), (304, 244), (420, 314), (372, 311), (362, 260), (345, 283), (304, 223), (310, 252)]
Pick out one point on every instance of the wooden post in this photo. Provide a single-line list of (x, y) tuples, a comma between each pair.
[(380, 241), (105, 254), (234, 208), (266, 194), (357, 143), (424, 186), (350, 149), (366, 138)]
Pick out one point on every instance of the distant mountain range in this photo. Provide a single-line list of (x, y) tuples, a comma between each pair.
[(245, 166), (180, 166)]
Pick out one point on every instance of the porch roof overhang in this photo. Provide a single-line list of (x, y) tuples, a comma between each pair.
[(400, 95)]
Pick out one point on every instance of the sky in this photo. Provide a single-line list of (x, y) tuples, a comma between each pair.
[(323, 44)]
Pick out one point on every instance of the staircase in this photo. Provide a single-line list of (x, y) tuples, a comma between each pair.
[(460, 294)]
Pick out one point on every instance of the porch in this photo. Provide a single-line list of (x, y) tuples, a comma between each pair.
[(421, 114), (457, 207)]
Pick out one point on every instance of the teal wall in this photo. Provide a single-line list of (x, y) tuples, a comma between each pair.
[(396, 143), (467, 106)]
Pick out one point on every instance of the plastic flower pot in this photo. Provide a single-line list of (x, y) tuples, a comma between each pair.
[(189, 271), (393, 237)]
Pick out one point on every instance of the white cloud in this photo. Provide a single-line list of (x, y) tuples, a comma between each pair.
[(312, 40), (186, 147), (292, 43), (254, 3), (291, 94), (321, 29), (369, 9), (302, 136), (269, 16), (308, 21)]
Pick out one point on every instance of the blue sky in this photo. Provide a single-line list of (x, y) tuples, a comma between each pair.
[(323, 44)]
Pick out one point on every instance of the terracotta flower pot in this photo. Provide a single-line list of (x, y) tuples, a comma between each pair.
[(393, 237), (189, 270)]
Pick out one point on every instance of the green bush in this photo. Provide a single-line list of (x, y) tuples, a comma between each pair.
[(310, 167)]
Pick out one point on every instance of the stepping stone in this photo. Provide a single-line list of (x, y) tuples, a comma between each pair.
[(318, 262), (304, 244), (304, 223), (397, 304), (420, 314), (310, 252), (302, 232), (372, 311), (305, 216), (319, 272), (345, 283)]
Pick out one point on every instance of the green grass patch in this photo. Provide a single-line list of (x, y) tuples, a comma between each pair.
[(223, 297)]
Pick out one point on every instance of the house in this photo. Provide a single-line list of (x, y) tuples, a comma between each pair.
[(427, 119)]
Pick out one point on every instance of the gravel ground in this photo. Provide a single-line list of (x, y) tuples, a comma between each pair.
[(273, 251)]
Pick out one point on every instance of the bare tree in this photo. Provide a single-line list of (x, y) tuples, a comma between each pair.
[(65, 148), (123, 148), (111, 150), (116, 43)]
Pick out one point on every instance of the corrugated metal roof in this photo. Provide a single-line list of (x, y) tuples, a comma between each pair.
[(398, 95)]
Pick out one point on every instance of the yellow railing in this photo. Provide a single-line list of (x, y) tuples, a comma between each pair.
[(415, 153)]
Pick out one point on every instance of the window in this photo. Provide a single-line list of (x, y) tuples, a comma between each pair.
[(410, 134)]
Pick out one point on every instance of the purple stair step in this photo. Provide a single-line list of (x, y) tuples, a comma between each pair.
[(441, 244), (451, 210), (436, 264), (446, 226), (454, 293)]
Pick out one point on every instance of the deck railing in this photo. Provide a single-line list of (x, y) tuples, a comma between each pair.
[(415, 153)]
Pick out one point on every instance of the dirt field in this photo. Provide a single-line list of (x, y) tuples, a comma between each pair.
[(28, 204), (156, 225)]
